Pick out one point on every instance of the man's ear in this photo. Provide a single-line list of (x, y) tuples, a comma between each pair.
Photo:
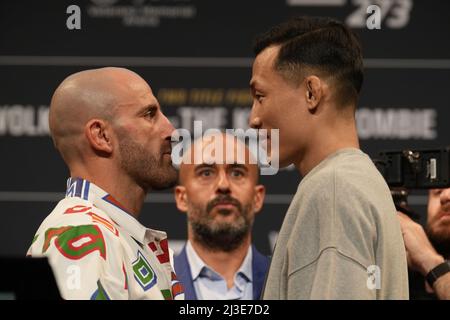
[(99, 135), (314, 92), (181, 198), (260, 193)]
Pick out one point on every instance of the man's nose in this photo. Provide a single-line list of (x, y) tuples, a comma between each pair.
[(168, 128), (223, 185), (445, 198), (255, 122)]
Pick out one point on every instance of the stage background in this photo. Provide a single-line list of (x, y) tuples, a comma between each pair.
[(197, 57)]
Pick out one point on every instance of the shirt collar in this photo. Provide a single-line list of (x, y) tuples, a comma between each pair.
[(77, 187), (198, 266), (246, 267)]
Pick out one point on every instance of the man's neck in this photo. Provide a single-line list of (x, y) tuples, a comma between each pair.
[(324, 143), (227, 264), (130, 195)]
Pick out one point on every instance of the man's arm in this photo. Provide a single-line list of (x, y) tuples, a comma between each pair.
[(80, 257), (332, 276), (421, 255), (442, 287)]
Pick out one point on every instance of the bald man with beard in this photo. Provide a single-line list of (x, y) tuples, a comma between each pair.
[(221, 196), (109, 129)]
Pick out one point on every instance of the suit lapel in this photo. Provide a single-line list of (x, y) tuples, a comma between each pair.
[(183, 272)]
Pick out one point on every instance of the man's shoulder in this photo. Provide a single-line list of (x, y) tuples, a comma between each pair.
[(75, 216), (180, 257), (345, 165), (361, 181), (348, 185), (341, 167), (352, 173), (260, 260), (75, 211)]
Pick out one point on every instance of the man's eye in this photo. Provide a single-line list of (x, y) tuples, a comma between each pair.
[(205, 173), (237, 173), (259, 97), (151, 113)]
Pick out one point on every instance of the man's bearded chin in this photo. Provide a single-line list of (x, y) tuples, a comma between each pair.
[(440, 240), (223, 236), (149, 171)]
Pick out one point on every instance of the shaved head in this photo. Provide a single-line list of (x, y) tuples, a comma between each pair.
[(85, 95), (218, 189), (221, 148), (108, 122)]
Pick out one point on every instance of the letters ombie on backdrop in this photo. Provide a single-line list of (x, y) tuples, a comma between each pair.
[(197, 57)]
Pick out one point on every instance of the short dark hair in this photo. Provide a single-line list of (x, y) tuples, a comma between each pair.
[(324, 45)]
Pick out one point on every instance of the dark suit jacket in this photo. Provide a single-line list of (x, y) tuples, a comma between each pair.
[(260, 266)]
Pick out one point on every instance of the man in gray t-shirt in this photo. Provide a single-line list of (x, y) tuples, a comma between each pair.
[(340, 238)]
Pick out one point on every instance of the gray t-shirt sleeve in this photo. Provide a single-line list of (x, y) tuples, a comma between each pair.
[(332, 275)]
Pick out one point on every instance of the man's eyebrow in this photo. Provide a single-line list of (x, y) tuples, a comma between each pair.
[(148, 107), (204, 165), (255, 85), (238, 165), (252, 84)]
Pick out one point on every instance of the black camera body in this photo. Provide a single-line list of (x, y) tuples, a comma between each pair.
[(404, 170), (416, 169)]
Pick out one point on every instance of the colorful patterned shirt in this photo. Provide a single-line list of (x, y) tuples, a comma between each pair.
[(99, 251)]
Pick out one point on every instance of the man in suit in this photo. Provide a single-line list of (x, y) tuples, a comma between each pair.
[(220, 199)]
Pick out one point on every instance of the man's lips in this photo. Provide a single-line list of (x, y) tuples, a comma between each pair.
[(225, 204), (225, 209), (444, 214)]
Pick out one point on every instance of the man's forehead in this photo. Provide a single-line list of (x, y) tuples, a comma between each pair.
[(184, 168), (222, 165), (188, 171), (219, 149), (140, 89), (137, 100), (264, 64), (437, 191)]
